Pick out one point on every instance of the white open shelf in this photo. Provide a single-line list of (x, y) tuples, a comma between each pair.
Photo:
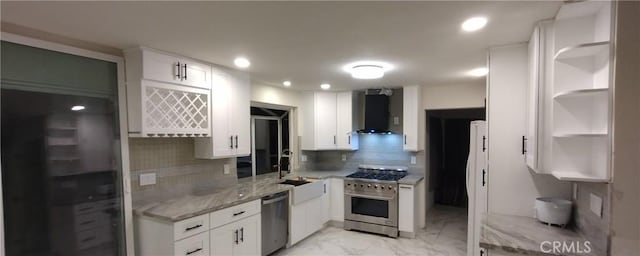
[(577, 176), (581, 9), (579, 134), (588, 92), (592, 49)]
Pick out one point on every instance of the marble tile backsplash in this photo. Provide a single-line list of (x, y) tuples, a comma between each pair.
[(377, 149), (177, 171), (590, 225)]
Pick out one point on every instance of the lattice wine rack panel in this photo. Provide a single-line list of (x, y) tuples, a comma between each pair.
[(175, 111)]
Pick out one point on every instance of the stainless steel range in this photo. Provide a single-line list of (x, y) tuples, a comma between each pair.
[(371, 199)]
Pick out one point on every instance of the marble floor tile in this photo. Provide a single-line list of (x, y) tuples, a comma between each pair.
[(445, 234)]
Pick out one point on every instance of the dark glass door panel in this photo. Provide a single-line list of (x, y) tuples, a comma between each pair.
[(370, 207), (60, 175)]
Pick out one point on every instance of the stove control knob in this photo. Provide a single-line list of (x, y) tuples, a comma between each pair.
[(376, 186), (361, 185), (369, 185), (390, 187)]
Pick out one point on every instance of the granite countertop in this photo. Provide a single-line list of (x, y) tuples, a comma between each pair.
[(317, 174), (188, 206), (411, 179), (524, 235)]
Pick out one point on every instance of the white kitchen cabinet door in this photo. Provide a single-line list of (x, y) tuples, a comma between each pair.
[(222, 240), (314, 215), (529, 140), (298, 223), (197, 245), (249, 236), (220, 144), (406, 209), (325, 120), (346, 135), (326, 201), (173, 69), (160, 67), (410, 113), (240, 113), (337, 199), (230, 115), (195, 73)]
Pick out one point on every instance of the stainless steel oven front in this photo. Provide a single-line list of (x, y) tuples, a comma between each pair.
[(371, 206)]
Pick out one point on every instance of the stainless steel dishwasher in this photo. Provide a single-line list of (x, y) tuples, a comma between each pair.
[(275, 222)]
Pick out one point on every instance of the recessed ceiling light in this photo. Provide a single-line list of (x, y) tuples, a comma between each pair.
[(286, 83), (77, 108), (367, 69), (325, 86), (473, 24), (478, 72), (242, 62)]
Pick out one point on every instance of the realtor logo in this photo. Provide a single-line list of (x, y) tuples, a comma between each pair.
[(565, 247)]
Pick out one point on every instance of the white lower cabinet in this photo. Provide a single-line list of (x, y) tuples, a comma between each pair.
[(326, 201), (238, 238), (337, 199), (231, 231), (197, 245), (306, 219), (407, 210)]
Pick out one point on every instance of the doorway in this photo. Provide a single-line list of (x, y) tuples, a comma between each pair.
[(269, 142), (448, 132)]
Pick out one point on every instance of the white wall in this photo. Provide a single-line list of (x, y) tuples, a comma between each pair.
[(460, 95), (267, 94), (512, 187)]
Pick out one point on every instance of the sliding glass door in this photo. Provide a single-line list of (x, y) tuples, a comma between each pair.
[(60, 154)]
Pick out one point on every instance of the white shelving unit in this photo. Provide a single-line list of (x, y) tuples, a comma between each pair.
[(581, 96)]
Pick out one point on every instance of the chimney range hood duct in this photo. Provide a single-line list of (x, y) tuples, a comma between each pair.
[(376, 111)]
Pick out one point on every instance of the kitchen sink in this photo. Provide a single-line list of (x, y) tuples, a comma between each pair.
[(295, 182)]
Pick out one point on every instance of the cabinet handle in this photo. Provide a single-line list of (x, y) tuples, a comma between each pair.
[(405, 139), (236, 141), (242, 235), (484, 181), (236, 233), (194, 251), (349, 139), (231, 142), (185, 71), (334, 139), (484, 147), (178, 71), (524, 145), (238, 213), (192, 228), (403, 187)]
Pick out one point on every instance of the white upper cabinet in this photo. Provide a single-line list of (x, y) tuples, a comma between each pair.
[(325, 120), (328, 121), (580, 137), (230, 115), (346, 123), (173, 69), (167, 96), (411, 105)]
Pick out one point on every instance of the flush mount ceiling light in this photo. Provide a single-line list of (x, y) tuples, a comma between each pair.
[(325, 86), (77, 108), (242, 62), (286, 83), (473, 24), (367, 69), (478, 72)]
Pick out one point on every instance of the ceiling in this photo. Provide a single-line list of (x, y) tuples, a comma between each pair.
[(305, 42)]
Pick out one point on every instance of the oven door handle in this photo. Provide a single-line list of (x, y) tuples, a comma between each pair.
[(370, 197)]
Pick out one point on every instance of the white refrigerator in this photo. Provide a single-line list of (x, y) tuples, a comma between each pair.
[(477, 179)]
